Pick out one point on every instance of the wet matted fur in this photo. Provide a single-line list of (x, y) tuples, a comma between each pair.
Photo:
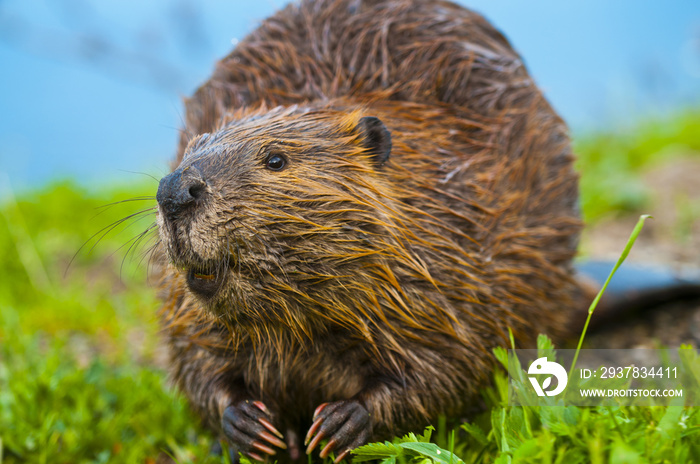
[(348, 275)]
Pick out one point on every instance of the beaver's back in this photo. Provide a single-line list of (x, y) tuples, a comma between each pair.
[(410, 50)]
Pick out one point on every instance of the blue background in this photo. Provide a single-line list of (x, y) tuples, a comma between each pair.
[(92, 89)]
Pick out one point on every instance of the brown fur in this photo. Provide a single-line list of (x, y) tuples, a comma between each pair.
[(346, 279)]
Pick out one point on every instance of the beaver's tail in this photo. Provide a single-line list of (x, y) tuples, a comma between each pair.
[(633, 289)]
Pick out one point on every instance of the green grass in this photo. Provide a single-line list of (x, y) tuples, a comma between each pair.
[(78, 343), (610, 163), (555, 434), (79, 380)]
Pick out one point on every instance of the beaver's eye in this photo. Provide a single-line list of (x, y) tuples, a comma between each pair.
[(275, 162)]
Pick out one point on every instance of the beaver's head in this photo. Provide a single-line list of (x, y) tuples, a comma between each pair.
[(275, 204)]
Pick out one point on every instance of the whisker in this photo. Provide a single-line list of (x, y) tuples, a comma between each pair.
[(102, 233), (151, 253), (146, 253), (140, 173), (134, 243), (183, 129), (119, 222), (109, 205), (146, 237)]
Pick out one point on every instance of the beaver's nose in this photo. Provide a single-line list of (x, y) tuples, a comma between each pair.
[(180, 190)]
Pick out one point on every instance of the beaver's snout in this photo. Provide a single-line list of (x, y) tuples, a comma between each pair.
[(179, 196), (181, 190)]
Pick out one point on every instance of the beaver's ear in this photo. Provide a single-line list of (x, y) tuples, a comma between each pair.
[(376, 138)]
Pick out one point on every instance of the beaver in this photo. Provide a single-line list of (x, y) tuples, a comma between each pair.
[(367, 196)]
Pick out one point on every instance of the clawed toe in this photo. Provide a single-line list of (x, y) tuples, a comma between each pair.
[(248, 427), (346, 425)]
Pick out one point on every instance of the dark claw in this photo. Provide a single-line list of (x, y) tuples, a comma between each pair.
[(268, 425), (255, 456), (346, 424), (328, 448), (247, 427), (312, 430), (263, 448), (272, 439), (343, 455), (319, 409), (317, 439), (260, 405)]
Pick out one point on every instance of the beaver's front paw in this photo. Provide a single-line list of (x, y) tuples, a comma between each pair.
[(248, 429), (345, 424)]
